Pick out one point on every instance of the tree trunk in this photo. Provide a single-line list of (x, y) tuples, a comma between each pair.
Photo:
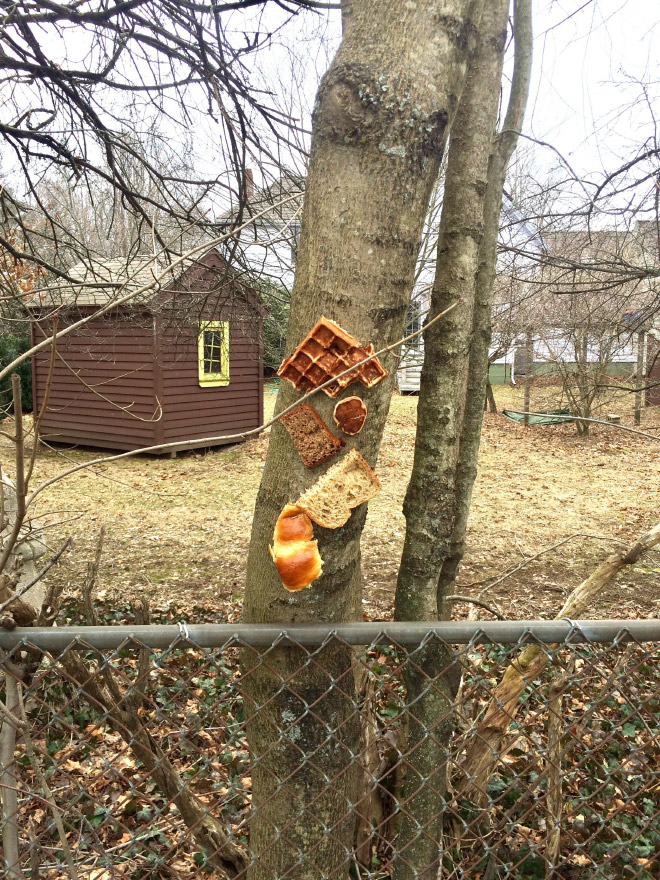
[(529, 375), (432, 678), (9, 791), (639, 378), (379, 129), (506, 140), (490, 398)]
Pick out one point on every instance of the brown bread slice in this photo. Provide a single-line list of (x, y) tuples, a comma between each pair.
[(312, 439), (347, 484)]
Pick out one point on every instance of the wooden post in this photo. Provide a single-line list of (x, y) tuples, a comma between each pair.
[(639, 378), (529, 374)]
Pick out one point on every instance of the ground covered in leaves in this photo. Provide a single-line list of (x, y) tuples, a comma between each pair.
[(178, 529), (178, 532)]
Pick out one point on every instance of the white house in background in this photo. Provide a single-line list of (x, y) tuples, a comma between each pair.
[(266, 250), (574, 309), (515, 232)]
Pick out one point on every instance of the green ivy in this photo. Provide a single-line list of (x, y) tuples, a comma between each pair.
[(11, 346)]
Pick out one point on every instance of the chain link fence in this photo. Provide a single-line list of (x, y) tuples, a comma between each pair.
[(507, 750)]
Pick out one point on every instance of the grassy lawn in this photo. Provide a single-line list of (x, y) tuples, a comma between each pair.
[(178, 530)]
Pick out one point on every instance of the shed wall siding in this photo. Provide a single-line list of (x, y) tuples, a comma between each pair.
[(110, 398), (120, 370), (192, 411)]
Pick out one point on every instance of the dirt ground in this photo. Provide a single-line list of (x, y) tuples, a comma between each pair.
[(178, 529)]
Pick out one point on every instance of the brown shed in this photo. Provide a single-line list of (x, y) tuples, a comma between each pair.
[(172, 365)]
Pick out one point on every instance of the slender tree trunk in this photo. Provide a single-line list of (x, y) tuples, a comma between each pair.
[(506, 140), (11, 823), (431, 679), (529, 375), (379, 129), (639, 381), (490, 398)]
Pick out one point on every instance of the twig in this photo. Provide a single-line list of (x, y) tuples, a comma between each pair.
[(36, 423), (19, 478), (38, 772), (595, 421), (125, 409), (90, 612), (479, 602), (142, 617), (90, 579), (244, 434), (51, 605), (529, 559), (9, 783), (555, 754), (9, 717)]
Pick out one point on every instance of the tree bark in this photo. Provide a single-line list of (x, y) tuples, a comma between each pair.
[(379, 129), (431, 679), (490, 398), (639, 377), (9, 791), (506, 140), (529, 375)]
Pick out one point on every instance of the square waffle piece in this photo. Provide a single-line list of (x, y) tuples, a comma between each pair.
[(324, 353)]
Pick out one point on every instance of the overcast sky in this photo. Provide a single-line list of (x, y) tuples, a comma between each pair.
[(585, 66), (589, 58)]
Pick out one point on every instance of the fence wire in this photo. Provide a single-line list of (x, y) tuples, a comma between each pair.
[(484, 760)]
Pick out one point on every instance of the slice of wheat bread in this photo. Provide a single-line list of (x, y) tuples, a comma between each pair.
[(347, 484), (314, 442)]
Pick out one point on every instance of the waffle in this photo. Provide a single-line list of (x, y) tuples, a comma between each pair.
[(324, 353)]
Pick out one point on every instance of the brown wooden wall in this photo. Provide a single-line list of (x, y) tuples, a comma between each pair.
[(126, 366), (102, 391), (192, 411)]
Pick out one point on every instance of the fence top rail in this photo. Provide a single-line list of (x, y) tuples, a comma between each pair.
[(219, 635)]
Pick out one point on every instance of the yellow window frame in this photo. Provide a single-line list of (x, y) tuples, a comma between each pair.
[(213, 354)]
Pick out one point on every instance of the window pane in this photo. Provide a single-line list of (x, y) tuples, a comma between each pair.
[(212, 351)]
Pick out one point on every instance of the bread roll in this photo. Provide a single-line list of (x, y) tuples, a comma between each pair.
[(294, 552)]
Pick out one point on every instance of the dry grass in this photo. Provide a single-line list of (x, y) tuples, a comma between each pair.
[(178, 530)]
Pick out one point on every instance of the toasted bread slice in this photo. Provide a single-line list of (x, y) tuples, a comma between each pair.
[(350, 414), (347, 484)]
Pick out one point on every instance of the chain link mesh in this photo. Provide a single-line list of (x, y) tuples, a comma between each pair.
[(139, 763)]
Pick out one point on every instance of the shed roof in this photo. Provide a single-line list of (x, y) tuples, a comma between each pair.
[(101, 281), (286, 186)]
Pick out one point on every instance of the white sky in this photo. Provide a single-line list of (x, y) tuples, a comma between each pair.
[(584, 72), (588, 60), (588, 54)]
